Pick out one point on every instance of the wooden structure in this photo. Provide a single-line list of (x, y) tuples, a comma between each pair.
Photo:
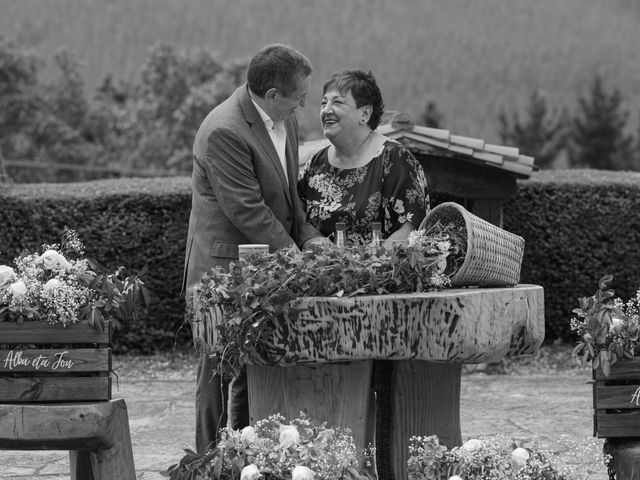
[(478, 175), (59, 364), (616, 404), (321, 360), (95, 433), (55, 394)]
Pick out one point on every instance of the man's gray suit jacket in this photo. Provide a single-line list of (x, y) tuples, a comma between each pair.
[(240, 193)]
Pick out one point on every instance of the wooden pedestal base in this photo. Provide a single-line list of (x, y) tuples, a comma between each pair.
[(425, 401), (625, 454), (339, 394)]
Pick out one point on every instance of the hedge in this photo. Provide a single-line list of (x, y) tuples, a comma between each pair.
[(578, 226)]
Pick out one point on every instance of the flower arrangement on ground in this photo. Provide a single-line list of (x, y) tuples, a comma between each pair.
[(275, 450), (59, 286), (609, 327), (254, 292), (490, 458)]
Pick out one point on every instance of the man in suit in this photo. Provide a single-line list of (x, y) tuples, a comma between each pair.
[(245, 169)]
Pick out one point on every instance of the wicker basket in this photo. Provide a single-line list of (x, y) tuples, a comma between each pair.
[(493, 256)]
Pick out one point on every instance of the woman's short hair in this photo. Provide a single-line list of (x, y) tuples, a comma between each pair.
[(363, 88), (277, 66)]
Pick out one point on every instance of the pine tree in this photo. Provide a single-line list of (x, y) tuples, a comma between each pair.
[(431, 116), (636, 149), (542, 135), (597, 137)]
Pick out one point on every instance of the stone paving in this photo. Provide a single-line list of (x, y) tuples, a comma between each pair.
[(540, 407)]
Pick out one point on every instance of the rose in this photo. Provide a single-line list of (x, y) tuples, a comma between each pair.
[(325, 437), (289, 436), (7, 275), (248, 436), (51, 259), (519, 458), (472, 445), (52, 285), (302, 473), (250, 472), (18, 289)]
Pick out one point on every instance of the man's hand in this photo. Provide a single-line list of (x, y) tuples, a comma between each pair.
[(315, 242)]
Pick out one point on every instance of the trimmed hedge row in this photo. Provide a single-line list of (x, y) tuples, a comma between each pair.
[(578, 226)]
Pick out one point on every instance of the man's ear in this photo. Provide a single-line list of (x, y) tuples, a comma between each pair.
[(271, 94)]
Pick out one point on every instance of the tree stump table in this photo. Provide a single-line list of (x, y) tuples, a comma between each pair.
[(328, 351)]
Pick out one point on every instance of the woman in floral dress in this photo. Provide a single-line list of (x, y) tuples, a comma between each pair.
[(363, 176)]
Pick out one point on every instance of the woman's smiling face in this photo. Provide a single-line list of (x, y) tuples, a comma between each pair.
[(339, 113)]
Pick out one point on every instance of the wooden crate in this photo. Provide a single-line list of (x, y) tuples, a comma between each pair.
[(616, 400), (41, 362)]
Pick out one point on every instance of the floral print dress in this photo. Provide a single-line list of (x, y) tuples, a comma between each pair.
[(390, 189)]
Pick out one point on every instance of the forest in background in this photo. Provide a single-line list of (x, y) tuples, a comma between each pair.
[(122, 87), (473, 58)]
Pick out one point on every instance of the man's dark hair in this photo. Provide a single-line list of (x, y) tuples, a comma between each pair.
[(277, 66), (363, 88)]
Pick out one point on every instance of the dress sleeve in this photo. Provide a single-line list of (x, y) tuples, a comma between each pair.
[(405, 194)]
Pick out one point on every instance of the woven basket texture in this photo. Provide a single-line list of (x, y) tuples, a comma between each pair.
[(493, 257)]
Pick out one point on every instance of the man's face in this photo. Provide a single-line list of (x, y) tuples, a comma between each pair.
[(282, 107)]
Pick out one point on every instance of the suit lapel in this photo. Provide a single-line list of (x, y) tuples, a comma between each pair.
[(260, 131)]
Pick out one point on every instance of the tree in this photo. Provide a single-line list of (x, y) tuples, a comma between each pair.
[(597, 136), (18, 97), (151, 124), (145, 124), (541, 135), (42, 121), (431, 116)]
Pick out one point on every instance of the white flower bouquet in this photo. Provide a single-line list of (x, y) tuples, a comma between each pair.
[(276, 450), (59, 286), (491, 458)]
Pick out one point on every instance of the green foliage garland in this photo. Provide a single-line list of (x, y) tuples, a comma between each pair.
[(254, 292)]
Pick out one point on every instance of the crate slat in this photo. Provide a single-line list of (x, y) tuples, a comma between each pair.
[(43, 333), (623, 424), (625, 369), (54, 389), (55, 360), (617, 397)]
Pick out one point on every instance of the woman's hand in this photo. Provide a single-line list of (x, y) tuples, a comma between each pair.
[(401, 234)]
